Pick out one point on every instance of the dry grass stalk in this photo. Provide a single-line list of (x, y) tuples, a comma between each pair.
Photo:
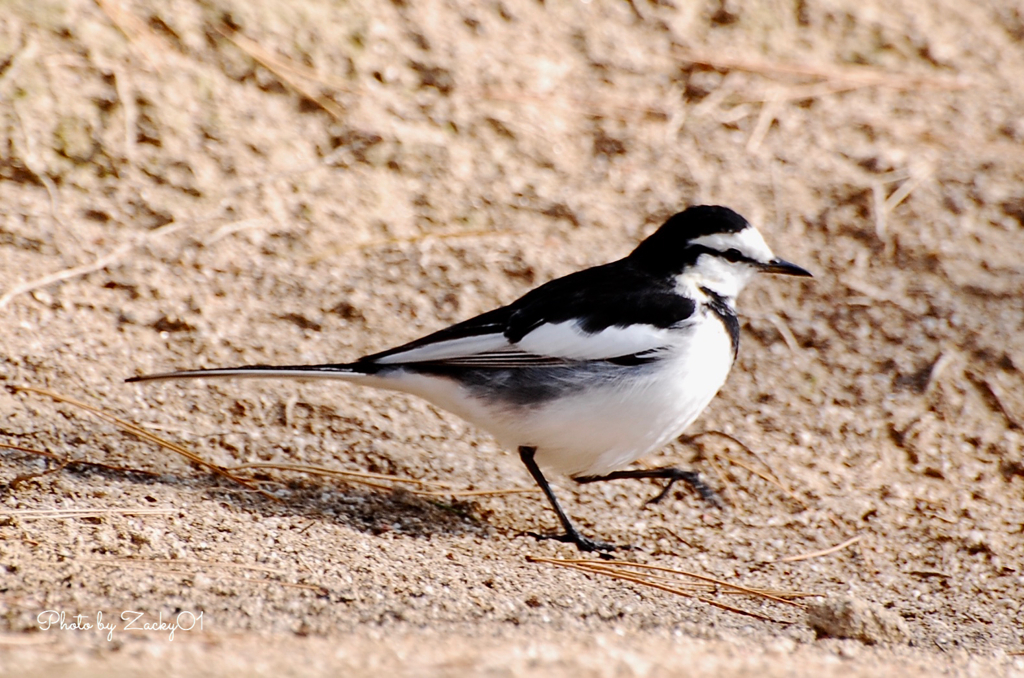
[(769, 112), (994, 393), (682, 589), (501, 491), (787, 334), (98, 264), (292, 73), (437, 489), (284, 69), (663, 582), (721, 474), (142, 433), (65, 462), (148, 44), (776, 596), (763, 476), (882, 206), (25, 477), (861, 76), (68, 273), (818, 554), (279, 63), (768, 475)]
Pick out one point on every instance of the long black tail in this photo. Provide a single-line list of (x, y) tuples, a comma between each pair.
[(347, 371)]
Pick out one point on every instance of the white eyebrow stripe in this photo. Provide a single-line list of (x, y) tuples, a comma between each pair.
[(748, 241)]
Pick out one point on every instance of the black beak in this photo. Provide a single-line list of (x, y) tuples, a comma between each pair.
[(785, 268)]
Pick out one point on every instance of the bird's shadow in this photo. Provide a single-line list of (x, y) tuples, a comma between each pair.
[(369, 510)]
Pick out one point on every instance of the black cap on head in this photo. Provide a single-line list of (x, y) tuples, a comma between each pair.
[(665, 248), (693, 222)]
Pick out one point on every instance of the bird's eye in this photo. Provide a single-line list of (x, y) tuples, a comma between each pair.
[(734, 254)]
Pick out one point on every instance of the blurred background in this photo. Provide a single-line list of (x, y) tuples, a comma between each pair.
[(200, 183)]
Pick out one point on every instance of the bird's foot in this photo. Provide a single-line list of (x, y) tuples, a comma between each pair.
[(583, 543), (691, 478), (669, 473)]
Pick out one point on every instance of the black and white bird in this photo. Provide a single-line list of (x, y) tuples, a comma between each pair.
[(587, 373)]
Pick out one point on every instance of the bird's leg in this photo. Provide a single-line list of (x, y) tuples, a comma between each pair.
[(571, 535), (670, 473)]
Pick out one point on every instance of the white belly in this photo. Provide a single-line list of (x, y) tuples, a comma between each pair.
[(612, 427), (599, 430)]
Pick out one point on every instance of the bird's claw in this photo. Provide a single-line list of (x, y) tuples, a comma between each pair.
[(585, 544)]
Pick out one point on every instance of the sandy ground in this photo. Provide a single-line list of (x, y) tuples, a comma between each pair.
[(206, 183)]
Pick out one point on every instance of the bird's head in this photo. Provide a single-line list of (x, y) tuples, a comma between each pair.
[(712, 247)]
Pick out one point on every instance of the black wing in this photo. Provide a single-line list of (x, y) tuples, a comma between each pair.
[(612, 312)]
